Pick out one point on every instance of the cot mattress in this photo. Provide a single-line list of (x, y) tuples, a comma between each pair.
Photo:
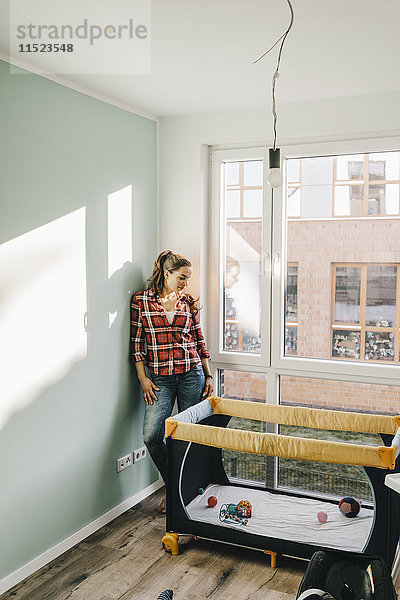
[(287, 517)]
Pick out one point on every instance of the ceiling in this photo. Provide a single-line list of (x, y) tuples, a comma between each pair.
[(203, 52)]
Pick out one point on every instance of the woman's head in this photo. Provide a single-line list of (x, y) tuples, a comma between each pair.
[(171, 273), (232, 271)]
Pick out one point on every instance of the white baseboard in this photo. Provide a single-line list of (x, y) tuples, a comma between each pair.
[(43, 559)]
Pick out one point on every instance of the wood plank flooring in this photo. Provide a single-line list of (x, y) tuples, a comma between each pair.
[(125, 561)]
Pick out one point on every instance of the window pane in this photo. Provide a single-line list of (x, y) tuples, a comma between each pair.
[(232, 199), (316, 201), (392, 163), (252, 203), (392, 199), (350, 167), (376, 200), (376, 169), (242, 272), (290, 341), (349, 200), (379, 346), (335, 480), (253, 173), (244, 386), (293, 170), (291, 293), (232, 173), (291, 311), (381, 296), (241, 299), (317, 171), (337, 234), (347, 295), (346, 344), (293, 202)]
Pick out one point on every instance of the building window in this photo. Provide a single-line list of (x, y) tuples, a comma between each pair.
[(366, 185), (291, 320), (365, 312), (357, 185)]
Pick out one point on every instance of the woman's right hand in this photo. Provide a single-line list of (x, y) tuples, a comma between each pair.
[(148, 388)]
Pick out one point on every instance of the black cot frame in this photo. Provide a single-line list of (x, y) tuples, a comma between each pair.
[(191, 466)]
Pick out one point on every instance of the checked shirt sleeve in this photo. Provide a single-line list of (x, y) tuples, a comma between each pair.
[(137, 333), (198, 337)]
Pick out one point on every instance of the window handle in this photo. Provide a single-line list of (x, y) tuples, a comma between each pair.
[(276, 266), (266, 266)]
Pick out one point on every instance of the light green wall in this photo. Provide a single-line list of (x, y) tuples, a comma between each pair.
[(62, 151)]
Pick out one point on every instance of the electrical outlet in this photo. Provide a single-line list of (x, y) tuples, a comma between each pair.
[(139, 454), (124, 462)]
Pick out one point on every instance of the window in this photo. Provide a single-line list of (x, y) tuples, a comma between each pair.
[(365, 309), (358, 185), (252, 387), (291, 320), (243, 192), (348, 314), (330, 479), (374, 187), (305, 283)]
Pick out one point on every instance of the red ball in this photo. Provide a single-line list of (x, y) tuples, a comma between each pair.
[(212, 501)]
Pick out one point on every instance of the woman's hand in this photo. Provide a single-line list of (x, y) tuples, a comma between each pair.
[(148, 388), (208, 388)]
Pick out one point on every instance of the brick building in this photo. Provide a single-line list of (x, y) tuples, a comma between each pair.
[(343, 280)]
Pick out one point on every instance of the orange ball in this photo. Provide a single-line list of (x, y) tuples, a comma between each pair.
[(212, 501)]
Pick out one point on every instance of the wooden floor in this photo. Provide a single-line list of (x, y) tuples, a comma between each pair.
[(125, 561)]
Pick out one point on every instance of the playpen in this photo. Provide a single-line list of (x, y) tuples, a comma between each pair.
[(282, 521)]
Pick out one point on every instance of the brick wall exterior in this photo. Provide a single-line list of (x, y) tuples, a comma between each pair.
[(320, 393), (314, 246)]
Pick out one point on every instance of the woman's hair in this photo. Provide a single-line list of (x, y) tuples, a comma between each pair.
[(169, 261), (232, 263)]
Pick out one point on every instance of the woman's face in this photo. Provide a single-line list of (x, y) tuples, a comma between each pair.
[(177, 280), (231, 277)]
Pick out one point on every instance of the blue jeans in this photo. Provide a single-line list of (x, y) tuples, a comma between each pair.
[(188, 389)]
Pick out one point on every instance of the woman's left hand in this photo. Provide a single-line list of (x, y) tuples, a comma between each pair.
[(208, 388)]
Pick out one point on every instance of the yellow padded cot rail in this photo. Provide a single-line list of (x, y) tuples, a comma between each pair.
[(271, 444), (306, 417)]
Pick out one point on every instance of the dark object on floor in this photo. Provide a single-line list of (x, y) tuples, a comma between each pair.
[(355, 578), (166, 595)]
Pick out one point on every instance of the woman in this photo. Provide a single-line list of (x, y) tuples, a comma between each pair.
[(167, 319)]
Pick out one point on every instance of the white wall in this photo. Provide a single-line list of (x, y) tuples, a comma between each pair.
[(183, 162)]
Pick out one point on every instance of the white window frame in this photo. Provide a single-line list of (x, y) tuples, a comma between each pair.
[(272, 360), (217, 229)]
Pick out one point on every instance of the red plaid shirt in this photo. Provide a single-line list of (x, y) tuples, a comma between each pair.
[(171, 348)]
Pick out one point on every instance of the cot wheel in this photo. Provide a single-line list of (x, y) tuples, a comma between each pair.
[(170, 543)]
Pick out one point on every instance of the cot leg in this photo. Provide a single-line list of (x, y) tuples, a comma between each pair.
[(170, 542), (273, 556)]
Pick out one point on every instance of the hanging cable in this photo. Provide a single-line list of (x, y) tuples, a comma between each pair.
[(276, 74)]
